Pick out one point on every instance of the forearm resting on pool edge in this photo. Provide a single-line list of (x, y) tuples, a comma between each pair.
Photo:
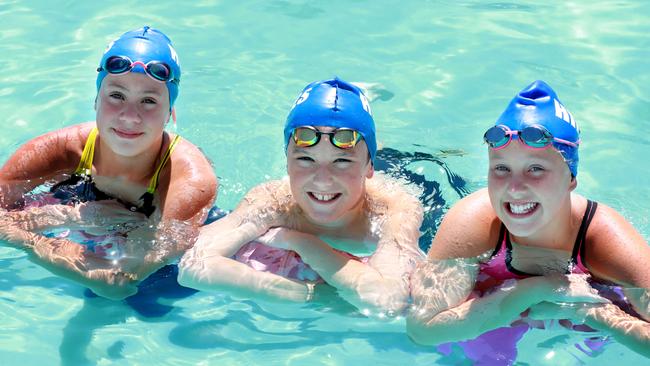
[(71, 260), (626, 329)]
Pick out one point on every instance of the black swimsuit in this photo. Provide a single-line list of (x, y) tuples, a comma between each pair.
[(81, 188)]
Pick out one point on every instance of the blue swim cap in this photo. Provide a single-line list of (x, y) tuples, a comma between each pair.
[(145, 44), (333, 103), (537, 104)]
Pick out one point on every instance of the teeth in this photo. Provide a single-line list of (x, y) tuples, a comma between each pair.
[(522, 209), (324, 197)]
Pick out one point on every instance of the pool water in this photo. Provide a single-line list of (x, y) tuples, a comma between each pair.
[(440, 72)]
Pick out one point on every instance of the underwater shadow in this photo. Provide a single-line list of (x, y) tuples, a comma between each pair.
[(395, 164)]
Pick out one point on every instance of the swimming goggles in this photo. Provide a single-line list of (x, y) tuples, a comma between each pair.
[(342, 138), (158, 70), (536, 136)]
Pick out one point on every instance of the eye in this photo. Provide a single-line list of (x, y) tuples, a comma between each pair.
[(342, 160), (304, 161), (536, 169), (343, 163), (117, 95), (149, 101), (501, 169)]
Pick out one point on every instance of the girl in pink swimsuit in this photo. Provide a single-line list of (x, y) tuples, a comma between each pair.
[(529, 244)]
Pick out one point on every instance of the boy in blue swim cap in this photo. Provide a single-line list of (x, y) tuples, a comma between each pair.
[(124, 167), (532, 241), (328, 225)]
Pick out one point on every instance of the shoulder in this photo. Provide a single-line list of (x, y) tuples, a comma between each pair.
[(192, 185), (267, 204), (468, 229), (384, 191), (189, 164), (273, 193), (48, 153), (615, 250)]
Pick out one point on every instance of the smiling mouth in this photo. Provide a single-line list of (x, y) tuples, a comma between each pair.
[(521, 209), (324, 197), (127, 134)]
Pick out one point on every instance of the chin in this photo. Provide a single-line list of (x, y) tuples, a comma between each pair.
[(322, 218)]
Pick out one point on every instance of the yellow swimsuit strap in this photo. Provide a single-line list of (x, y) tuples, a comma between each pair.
[(86, 163), (85, 166), (153, 183)]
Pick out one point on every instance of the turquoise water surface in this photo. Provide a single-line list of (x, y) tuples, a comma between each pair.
[(441, 71)]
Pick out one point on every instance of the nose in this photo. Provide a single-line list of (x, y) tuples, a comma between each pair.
[(130, 113), (323, 179), (516, 186)]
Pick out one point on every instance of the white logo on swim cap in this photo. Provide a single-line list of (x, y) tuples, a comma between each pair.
[(562, 113), (365, 103), (174, 54), (302, 97)]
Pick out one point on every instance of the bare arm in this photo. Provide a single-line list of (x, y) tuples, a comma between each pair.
[(40, 159), (616, 252), (209, 266), (383, 283), (442, 310), (71, 260), (628, 330), (151, 245)]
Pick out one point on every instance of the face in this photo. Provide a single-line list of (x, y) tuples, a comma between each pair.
[(132, 110), (528, 187), (327, 182)]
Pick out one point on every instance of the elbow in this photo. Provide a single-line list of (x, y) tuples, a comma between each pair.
[(429, 331), (388, 298), (187, 272), (419, 333), (116, 291)]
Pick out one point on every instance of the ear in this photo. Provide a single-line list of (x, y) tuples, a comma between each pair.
[(573, 184), (371, 170)]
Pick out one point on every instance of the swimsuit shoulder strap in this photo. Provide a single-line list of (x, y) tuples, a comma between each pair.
[(153, 183), (578, 254), (508, 257), (501, 239), (147, 198), (85, 166)]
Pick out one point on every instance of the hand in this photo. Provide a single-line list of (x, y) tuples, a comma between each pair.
[(288, 239), (279, 237), (14, 235), (575, 312), (572, 288), (108, 212)]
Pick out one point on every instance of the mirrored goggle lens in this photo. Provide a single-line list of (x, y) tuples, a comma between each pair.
[(535, 137), (159, 70), (345, 139), (496, 137), (117, 65), (305, 137)]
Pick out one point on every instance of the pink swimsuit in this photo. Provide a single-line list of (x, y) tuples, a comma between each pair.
[(499, 268), (286, 263)]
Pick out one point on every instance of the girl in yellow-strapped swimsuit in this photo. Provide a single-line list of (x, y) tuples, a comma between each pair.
[(80, 187), (125, 158)]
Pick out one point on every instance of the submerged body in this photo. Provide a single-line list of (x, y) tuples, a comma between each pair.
[(356, 234), (120, 180), (527, 242)]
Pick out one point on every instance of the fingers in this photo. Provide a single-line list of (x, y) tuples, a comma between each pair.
[(270, 236), (107, 212), (574, 288)]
